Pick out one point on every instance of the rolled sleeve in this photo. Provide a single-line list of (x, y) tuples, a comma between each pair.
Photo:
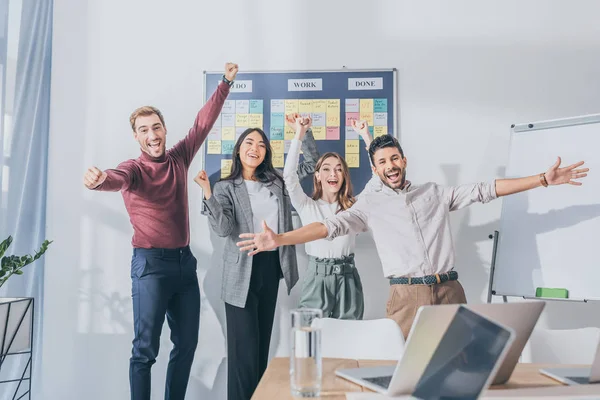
[(351, 221), (461, 196)]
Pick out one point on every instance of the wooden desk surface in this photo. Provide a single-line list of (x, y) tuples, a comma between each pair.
[(275, 383)]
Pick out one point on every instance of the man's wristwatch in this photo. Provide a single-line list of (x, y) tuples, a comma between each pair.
[(227, 81)]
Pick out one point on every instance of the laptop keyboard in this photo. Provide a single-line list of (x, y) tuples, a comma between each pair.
[(383, 381), (584, 380)]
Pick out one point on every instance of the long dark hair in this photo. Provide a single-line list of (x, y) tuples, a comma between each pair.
[(265, 172)]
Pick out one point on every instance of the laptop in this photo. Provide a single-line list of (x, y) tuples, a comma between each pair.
[(576, 376), (452, 355)]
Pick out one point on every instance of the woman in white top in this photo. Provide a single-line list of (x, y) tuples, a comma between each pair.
[(332, 282)]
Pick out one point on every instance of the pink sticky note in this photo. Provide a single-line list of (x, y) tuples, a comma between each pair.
[(352, 116), (333, 133)]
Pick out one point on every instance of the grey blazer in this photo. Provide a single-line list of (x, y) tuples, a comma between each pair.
[(230, 214)]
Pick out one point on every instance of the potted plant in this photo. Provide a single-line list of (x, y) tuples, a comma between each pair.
[(16, 321)]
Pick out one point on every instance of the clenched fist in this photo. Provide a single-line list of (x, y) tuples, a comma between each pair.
[(93, 178), (231, 71), (202, 180)]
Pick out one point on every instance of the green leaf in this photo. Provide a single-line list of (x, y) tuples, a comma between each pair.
[(4, 245), (19, 272)]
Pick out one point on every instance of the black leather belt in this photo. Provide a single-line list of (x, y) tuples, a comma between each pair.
[(426, 280)]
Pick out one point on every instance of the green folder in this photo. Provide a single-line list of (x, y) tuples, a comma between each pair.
[(552, 293)]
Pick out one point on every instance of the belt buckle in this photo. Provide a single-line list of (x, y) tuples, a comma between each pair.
[(337, 269)]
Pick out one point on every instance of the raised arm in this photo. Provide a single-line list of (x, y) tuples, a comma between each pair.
[(206, 117), (111, 180), (350, 221), (290, 173), (362, 128), (219, 206)]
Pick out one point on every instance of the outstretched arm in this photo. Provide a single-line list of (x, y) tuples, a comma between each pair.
[(110, 180), (206, 117), (554, 176)]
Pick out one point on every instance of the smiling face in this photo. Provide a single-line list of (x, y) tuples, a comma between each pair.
[(330, 174), (151, 135), (390, 166), (253, 150)]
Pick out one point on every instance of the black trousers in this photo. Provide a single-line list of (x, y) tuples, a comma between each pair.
[(249, 328)]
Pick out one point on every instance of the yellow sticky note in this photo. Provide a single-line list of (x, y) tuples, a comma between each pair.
[(289, 133), (353, 160), (228, 133), (379, 131), (366, 105), (319, 132), (278, 160), (255, 121), (305, 106), (333, 118), (319, 106), (291, 106), (352, 146), (241, 119), (277, 146), (226, 168), (214, 147), (333, 106), (367, 116)]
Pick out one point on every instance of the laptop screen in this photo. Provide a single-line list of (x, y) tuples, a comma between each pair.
[(464, 358)]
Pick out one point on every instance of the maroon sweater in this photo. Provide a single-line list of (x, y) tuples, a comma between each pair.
[(155, 189)]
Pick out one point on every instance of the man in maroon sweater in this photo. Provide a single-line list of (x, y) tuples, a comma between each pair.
[(163, 269)]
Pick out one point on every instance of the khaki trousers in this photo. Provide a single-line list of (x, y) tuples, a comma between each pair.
[(405, 300)]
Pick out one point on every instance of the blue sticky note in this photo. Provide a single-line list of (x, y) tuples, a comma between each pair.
[(227, 146), (371, 131), (379, 105), (256, 106), (277, 132), (277, 119)]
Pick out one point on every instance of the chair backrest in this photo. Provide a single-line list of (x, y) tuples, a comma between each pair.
[(563, 346), (378, 339)]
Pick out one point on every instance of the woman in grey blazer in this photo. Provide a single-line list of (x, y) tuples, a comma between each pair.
[(253, 194)]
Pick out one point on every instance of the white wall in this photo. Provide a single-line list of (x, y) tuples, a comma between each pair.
[(467, 70)]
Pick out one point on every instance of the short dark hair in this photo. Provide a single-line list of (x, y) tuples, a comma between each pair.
[(382, 142)]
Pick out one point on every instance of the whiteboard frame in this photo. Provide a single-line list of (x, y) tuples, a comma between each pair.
[(310, 71), (527, 127)]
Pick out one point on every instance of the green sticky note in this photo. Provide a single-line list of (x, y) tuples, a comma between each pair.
[(552, 293)]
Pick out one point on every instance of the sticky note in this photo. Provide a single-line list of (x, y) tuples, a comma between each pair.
[(277, 132), (379, 131), (242, 106), (352, 105), (214, 134), (352, 116), (289, 133), (277, 106), (228, 133), (319, 132), (291, 106), (305, 106), (333, 107), (333, 119), (214, 147), (380, 119), (277, 119), (319, 106), (228, 107), (366, 105), (255, 120), (353, 160), (218, 121), (557, 293), (228, 120), (319, 119), (380, 105), (278, 160), (256, 106), (367, 116), (352, 147), (241, 120), (277, 146), (333, 133), (226, 168), (239, 131), (227, 146), (351, 133)]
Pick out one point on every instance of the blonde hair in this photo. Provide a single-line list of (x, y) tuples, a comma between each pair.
[(345, 198), (144, 112)]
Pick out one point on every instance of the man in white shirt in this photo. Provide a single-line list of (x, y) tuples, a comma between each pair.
[(411, 227)]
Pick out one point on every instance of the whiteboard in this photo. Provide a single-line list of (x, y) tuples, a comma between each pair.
[(550, 237)]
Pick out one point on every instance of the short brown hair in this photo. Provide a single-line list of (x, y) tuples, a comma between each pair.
[(144, 112)]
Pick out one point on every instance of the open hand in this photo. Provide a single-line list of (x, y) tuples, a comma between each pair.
[(257, 242), (558, 176)]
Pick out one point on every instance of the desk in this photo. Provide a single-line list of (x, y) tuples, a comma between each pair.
[(525, 380)]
